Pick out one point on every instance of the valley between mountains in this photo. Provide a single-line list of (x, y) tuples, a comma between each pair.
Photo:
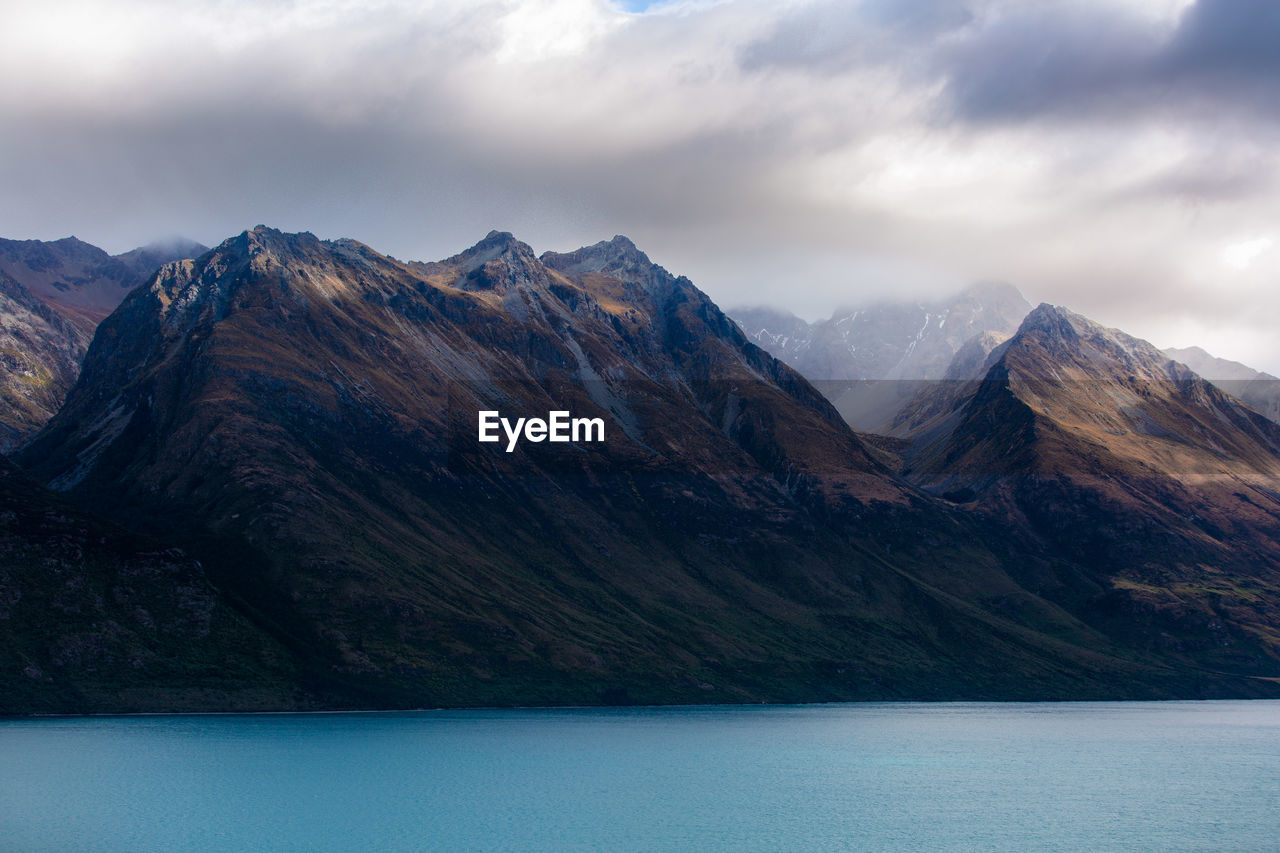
[(260, 486)]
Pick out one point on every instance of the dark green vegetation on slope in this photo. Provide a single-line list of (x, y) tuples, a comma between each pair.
[(94, 618), (300, 416)]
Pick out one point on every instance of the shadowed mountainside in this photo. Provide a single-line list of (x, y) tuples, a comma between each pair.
[(93, 618)]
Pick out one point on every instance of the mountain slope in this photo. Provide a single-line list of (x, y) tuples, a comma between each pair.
[(52, 296), (94, 618), (1159, 488), (40, 354), (302, 415), (80, 281)]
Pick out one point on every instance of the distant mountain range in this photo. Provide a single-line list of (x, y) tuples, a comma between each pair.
[(82, 282), (269, 492), (1261, 391), (869, 361), (886, 340)]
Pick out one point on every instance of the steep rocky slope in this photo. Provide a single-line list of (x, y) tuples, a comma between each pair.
[(52, 296), (40, 353)]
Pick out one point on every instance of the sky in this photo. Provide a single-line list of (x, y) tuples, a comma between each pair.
[(1119, 158)]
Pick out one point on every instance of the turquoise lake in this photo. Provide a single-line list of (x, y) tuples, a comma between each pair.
[(967, 776)]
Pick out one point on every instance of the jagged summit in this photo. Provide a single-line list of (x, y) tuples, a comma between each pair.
[(618, 257), (1049, 323), (1086, 349)]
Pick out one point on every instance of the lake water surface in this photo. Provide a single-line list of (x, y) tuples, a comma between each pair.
[(971, 776)]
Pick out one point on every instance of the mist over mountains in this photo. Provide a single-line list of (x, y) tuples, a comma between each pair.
[(873, 360), (265, 490)]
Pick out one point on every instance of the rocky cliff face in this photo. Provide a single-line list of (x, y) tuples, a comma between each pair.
[(40, 353)]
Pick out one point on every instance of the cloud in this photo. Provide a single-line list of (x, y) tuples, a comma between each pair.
[(1088, 61), (808, 153)]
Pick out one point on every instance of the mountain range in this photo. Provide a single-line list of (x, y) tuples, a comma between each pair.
[(870, 360), (873, 360), (281, 434), (1260, 391)]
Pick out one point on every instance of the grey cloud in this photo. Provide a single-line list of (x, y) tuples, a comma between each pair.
[(1082, 62), (1035, 61), (1228, 37)]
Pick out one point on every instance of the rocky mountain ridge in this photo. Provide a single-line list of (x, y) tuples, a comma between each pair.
[(80, 281)]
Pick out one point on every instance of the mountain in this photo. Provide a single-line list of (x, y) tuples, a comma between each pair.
[(888, 340), (1158, 489), (1260, 391), (93, 617), (303, 417), (779, 333), (52, 296), (40, 352), (870, 361), (80, 281)]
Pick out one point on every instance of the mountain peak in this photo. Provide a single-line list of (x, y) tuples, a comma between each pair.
[(492, 246), (1051, 319), (613, 257)]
